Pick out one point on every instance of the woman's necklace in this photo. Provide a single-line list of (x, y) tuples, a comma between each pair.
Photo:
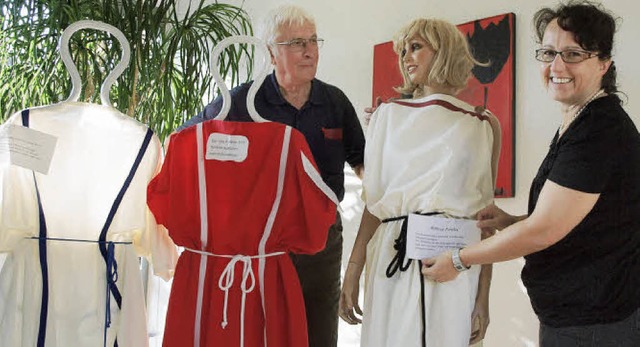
[(564, 126)]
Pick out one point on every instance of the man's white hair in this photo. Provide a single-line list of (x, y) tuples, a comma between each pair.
[(282, 17)]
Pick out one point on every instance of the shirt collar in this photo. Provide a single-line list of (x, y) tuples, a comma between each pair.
[(274, 96)]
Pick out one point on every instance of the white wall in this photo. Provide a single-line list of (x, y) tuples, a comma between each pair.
[(352, 27)]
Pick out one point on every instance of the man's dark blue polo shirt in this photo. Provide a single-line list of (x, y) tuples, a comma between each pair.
[(327, 120)]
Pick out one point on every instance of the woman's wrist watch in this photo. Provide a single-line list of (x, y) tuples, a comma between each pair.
[(457, 262)]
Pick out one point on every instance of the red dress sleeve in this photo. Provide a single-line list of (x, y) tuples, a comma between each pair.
[(307, 211), (159, 191)]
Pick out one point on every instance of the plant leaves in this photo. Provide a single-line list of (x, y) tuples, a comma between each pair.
[(168, 76)]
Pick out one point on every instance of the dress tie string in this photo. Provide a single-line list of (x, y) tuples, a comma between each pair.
[(225, 282), (111, 272), (112, 278), (400, 245)]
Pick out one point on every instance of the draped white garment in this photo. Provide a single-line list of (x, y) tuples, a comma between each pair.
[(431, 155), (96, 148)]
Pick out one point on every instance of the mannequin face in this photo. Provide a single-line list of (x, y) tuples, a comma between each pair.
[(417, 59)]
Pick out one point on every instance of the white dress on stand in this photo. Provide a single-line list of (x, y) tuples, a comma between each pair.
[(53, 292), (431, 154)]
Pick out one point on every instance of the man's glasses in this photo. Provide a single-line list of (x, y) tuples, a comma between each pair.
[(571, 56), (300, 44)]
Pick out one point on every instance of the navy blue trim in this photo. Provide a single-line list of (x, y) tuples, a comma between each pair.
[(114, 208), (112, 278), (79, 240), (42, 247), (42, 251), (25, 118), (422, 305), (109, 257)]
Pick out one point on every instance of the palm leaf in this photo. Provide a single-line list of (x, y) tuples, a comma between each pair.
[(168, 77)]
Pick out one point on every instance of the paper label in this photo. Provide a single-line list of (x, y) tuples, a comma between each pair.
[(428, 236), (27, 148), (226, 147)]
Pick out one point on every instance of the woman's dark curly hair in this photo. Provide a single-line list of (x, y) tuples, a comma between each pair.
[(593, 28)]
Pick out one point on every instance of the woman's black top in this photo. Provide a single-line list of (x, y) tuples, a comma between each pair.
[(592, 275)]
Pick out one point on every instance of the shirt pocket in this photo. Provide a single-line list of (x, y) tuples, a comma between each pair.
[(332, 134), (333, 156)]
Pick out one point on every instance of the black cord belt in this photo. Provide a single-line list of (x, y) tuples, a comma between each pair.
[(400, 261)]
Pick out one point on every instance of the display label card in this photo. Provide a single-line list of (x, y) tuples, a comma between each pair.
[(428, 236), (225, 147), (27, 148)]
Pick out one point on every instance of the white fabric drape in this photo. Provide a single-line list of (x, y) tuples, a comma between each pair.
[(96, 148), (429, 155)]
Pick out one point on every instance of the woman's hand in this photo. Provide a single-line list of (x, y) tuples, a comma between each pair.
[(348, 307), (369, 110), (440, 268), (492, 218)]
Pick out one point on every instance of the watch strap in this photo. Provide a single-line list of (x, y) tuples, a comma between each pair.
[(457, 262)]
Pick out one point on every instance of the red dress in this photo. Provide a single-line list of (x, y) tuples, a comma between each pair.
[(235, 284)]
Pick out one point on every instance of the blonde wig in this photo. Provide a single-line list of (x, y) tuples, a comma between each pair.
[(452, 62)]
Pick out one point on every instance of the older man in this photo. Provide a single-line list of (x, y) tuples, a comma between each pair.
[(292, 95)]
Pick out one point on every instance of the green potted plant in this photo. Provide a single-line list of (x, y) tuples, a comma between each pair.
[(168, 77)]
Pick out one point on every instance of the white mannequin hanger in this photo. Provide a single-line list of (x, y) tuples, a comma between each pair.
[(63, 47), (257, 82)]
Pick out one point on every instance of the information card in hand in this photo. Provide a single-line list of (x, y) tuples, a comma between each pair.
[(428, 236)]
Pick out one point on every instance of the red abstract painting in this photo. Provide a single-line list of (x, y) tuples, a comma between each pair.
[(492, 40)]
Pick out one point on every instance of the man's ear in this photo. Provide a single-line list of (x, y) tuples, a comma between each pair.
[(272, 56)]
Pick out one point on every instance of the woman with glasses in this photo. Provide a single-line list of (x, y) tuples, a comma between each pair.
[(581, 237), (431, 154)]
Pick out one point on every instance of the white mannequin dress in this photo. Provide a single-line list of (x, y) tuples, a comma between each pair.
[(426, 155), (54, 292)]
